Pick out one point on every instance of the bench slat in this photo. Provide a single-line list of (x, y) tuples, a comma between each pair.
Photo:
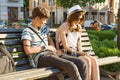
[(29, 74), (11, 42), (19, 55), (108, 60), (11, 30), (10, 36), (21, 62), (83, 30), (84, 39), (87, 48), (15, 49), (86, 43), (20, 68), (84, 34)]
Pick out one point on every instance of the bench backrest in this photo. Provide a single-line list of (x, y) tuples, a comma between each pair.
[(85, 41), (86, 44), (11, 39)]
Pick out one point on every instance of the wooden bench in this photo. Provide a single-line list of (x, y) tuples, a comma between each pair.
[(11, 38), (87, 47)]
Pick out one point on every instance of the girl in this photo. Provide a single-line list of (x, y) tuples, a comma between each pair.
[(69, 34)]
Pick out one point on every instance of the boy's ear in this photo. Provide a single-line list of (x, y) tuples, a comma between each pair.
[(37, 18)]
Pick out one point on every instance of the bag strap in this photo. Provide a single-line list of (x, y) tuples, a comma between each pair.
[(37, 34)]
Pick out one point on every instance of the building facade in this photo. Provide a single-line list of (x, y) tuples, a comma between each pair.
[(104, 12), (11, 10), (57, 13)]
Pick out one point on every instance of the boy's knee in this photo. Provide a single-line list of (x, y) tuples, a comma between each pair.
[(83, 65), (70, 65)]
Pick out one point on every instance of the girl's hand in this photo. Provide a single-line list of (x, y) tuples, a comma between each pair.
[(82, 53)]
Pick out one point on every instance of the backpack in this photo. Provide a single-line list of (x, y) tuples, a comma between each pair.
[(6, 61)]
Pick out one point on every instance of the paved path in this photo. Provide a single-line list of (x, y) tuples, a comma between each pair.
[(102, 78), (105, 78)]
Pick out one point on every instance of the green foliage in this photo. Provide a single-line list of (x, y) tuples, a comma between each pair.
[(115, 31), (105, 48), (104, 45), (69, 3), (109, 43), (112, 67), (93, 37), (6, 23), (102, 35), (26, 3)]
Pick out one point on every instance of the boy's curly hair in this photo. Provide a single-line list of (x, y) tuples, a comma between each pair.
[(40, 12)]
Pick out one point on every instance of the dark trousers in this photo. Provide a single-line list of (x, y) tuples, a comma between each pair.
[(75, 67)]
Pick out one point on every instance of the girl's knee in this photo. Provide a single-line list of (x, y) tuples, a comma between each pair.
[(88, 60), (93, 59)]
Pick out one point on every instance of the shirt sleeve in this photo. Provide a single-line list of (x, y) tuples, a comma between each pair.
[(45, 30), (26, 35)]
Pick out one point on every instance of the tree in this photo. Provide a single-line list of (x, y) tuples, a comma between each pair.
[(70, 3), (26, 7), (118, 38)]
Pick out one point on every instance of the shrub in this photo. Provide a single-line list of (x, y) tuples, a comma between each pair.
[(112, 67), (105, 48), (93, 37), (102, 35), (104, 45), (109, 43)]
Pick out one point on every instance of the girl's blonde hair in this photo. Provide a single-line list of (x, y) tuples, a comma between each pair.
[(74, 17)]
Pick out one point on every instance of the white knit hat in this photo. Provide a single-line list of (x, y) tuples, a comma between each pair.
[(74, 9)]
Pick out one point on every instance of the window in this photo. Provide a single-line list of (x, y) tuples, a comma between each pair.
[(38, 3), (34, 3), (13, 0), (13, 14), (43, 0), (51, 2), (116, 4)]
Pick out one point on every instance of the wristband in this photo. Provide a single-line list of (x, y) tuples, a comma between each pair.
[(44, 48)]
